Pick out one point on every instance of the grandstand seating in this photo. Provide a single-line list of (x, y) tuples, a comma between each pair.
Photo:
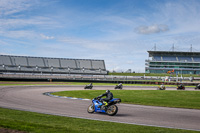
[(19, 61), (5, 60), (84, 64), (174, 58), (196, 59), (185, 59), (169, 58), (68, 63), (157, 58), (52, 62), (25, 64), (35, 62), (97, 64)]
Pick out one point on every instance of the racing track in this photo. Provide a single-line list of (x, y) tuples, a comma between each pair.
[(31, 98)]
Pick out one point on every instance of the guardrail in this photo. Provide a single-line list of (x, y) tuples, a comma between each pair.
[(90, 77), (99, 78)]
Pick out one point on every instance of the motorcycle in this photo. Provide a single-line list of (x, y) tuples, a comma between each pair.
[(161, 88), (90, 86), (110, 109), (120, 86), (180, 87), (197, 87)]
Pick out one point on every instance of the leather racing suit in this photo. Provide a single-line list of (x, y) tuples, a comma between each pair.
[(109, 96)]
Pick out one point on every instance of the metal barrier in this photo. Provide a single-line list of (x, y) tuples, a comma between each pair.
[(94, 78)]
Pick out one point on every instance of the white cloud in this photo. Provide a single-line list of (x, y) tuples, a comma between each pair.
[(152, 29), (46, 37)]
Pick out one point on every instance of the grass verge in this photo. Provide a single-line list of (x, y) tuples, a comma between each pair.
[(42, 123), (178, 99)]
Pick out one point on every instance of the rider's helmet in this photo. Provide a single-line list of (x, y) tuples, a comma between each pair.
[(107, 91)]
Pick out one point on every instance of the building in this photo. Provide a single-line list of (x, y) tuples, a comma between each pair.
[(41, 65), (173, 62)]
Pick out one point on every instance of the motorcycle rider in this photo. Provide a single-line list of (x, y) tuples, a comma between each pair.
[(198, 86), (120, 85), (90, 84), (162, 86), (181, 86), (109, 96)]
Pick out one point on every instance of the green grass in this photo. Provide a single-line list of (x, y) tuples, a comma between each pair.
[(179, 99), (42, 123)]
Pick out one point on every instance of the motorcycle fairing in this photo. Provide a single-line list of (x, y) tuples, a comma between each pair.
[(97, 104)]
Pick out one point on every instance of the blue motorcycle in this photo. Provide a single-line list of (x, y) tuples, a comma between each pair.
[(97, 106)]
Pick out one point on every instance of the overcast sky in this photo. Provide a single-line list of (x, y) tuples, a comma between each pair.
[(117, 31)]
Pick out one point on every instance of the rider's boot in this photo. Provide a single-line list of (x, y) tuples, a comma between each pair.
[(103, 104)]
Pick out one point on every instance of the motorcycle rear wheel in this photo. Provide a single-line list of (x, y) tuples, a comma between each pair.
[(91, 108), (112, 110)]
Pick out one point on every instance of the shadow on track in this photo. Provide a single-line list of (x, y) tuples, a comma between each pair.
[(123, 115), (117, 115)]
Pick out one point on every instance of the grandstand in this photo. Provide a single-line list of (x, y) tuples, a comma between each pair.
[(181, 62), (26, 64)]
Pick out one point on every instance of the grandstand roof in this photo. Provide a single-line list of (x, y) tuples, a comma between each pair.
[(173, 53), (51, 57)]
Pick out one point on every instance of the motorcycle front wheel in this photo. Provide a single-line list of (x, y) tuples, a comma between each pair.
[(112, 110), (90, 108)]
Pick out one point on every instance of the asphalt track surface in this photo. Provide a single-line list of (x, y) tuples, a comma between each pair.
[(31, 98)]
